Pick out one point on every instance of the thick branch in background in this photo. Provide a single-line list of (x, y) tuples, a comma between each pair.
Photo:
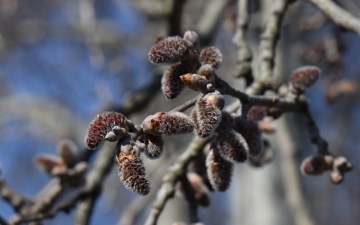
[(267, 48), (244, 56), (340, 16)]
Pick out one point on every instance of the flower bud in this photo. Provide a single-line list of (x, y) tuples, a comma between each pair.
[(212, 56), (67, 150), (47, 163), (195, 82), (193, 38), (303, 78), (208, 72), (153, 146), (169, 123), (101, 125), (131, 170), (219, 171), (169, 50)]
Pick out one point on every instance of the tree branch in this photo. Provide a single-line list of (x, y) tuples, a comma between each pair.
[(267, 48), (314, 133), (244, 56), (340, 16), (190, 198), (176, 171)]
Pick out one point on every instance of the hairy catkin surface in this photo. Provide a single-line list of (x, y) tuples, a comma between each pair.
[(232, 146), (212, 56), (171, 84), (219, 171), (132, 172), (169, 50), (207, 119), (101, 125)]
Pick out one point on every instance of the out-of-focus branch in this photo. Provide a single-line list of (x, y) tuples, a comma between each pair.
[(210, 19), (94, 179), (285, 104), (314, 133), (16, 200), (65, 206), (244, 56), (340, 16), (176, 171), (3, 221), (267, 48), (190, 198)]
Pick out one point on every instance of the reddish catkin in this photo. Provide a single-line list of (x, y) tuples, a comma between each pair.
[(169, 50), (303, 78), (219, 171), (232, 146), (169, 123), (313, 165), (101, 125), (257, 113), (131, 169), (212, 56), (153, 146), (171, 84), (208, 113)]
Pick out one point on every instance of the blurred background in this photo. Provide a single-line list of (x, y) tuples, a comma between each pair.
[(62, 62)]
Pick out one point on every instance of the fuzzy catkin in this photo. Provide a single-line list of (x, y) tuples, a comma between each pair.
[(171, 84), (212, 56), (232, 146), (219, 171), (169, 123), (101, 125), (169, 50), (303, 78), (131, 169), (208, 114)]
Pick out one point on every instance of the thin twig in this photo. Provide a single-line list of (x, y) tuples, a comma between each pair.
[(187, 104), (314, 133), (340, 16)]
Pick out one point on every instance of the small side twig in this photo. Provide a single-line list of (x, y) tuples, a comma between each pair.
[(314, 133), (187, 104)]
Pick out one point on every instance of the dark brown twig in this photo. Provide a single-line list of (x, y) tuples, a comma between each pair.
[(190, 198)]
